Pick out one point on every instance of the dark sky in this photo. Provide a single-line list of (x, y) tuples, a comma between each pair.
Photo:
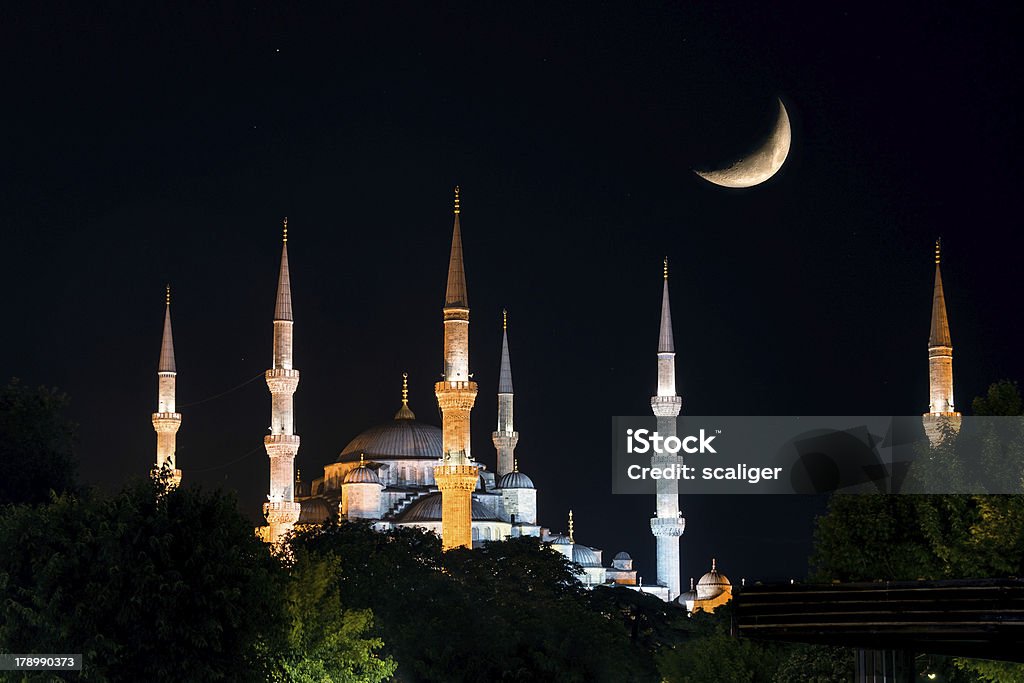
[(160, 143)]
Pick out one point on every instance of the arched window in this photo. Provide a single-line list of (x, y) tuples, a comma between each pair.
[(476, 534)]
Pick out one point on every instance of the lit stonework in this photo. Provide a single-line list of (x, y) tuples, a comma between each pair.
[(282, 443), (165, 420), (941, 408), (668, 524), (505, 437), (456, 475)]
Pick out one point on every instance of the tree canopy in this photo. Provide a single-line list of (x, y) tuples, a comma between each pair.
[(36, 444)]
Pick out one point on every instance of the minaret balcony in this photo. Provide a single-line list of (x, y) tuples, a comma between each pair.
[(456, 477), (666, 406), (281, 512), (667, 526), (279, 445), (282, 380)]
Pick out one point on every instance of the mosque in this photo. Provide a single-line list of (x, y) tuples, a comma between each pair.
[(405, 472)]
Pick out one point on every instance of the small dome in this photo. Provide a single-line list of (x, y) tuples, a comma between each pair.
[(428, 509), (561, 539), (515, 480), (712, 584), (362, 475), (313, 511), (622, 556), (584, 556)]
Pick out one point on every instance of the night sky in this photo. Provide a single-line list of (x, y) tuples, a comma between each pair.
[(162, 144)]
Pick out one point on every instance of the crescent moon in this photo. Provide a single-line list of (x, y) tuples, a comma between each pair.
[(759, 165)]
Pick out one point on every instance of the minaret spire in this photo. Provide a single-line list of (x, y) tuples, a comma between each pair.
[(572, 528), (941, 409), (456, 293), (283, 303), (456, 475), (166, 420), (505, 437), (282, 443), (668, 524), (665, 342)]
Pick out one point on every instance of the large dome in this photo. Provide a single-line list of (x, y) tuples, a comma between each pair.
[(395, 440), (428, 509)]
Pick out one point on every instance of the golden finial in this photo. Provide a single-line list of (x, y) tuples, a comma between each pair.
[(362, 462), (298, 475), (665, 266), (515, 464), (405, 388), (691, 583), (938, 251), (713, 565), (456, 200), (504, 320), (168, 294), (286, 229), (571, 528)]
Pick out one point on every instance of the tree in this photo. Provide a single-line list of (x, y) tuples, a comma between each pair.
[(36, 444), (509, 610), (1003, 398), (711, 655), (149, 584), (869, 537), (327, 642)]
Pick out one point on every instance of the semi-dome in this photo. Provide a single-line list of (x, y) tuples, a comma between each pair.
[(622, 556), (395, 440), (362, 475), (561, 539), (428, 509), (585, 556), (313, 511), (712, 584), (515, 480)]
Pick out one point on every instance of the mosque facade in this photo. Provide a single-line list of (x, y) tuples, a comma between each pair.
[(408, 473)]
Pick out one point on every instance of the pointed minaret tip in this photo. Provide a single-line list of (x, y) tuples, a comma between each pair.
[(505, 370), (283, 303), (456, 294), (666, 342), (405, 412), (572, 528), (939, 333), (167, 343)]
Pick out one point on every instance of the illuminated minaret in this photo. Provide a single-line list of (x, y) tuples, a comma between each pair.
[(282, 443), (456, 474), (165, 420), (667, 525), (506, 437), (941, 409)]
